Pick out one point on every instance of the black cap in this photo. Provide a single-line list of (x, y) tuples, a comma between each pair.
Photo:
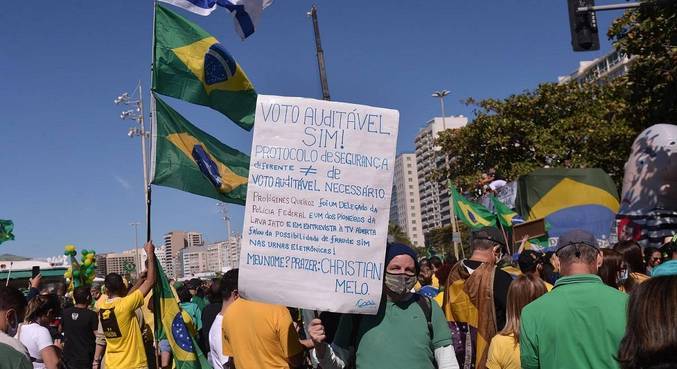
[(489, 233), (529, 259), (577, 237)]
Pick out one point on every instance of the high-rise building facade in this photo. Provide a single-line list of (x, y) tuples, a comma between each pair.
[(125, 262), (192, 260), (232, 252), (601, 70), (194, 239), (434, 195), (174, 242), (405, 205)]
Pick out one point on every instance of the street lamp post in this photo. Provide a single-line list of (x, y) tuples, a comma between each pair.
[(223, 210), (456, 236), (135, 102)]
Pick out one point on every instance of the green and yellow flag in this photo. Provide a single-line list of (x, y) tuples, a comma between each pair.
[(174, 325), (190, 64), (504, 214), (188, 159), (474, 215), (6, 228)]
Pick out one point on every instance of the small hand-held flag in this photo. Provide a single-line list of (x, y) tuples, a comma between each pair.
[(186, 158), (6, 228), (191, 65)]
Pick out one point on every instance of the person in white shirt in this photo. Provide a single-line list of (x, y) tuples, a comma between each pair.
[(35, 336), (229, 292)]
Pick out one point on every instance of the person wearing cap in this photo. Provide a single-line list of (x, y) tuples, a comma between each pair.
[(580, 323), (531, 263), (475, 297), (409, 330)]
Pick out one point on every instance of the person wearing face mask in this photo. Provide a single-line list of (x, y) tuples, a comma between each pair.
[(12, 308), (475, 297), (408, 331)]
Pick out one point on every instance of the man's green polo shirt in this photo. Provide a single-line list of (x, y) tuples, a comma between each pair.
[(579, 324)]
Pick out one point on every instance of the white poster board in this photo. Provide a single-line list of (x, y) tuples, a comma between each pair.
[(318, 200)]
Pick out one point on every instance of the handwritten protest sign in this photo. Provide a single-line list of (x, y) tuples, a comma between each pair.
[(318, 201)]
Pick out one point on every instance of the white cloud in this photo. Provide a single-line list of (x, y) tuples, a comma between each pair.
[(122, 182)]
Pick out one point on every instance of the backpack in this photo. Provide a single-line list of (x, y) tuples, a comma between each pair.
[(424, 302)]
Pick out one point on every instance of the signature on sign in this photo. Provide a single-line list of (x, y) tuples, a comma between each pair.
[(364, 303)]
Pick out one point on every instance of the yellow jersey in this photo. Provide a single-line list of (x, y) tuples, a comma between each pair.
[(124, 345)]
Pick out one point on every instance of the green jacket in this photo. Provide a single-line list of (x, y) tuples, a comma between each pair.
[(579, 324)]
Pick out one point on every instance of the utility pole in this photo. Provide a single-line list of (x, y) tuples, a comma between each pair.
[(320, 54)]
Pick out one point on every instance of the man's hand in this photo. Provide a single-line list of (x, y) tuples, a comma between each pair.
[(149, 248), (35, 281)]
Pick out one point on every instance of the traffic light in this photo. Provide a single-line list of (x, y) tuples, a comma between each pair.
[(583, 25)]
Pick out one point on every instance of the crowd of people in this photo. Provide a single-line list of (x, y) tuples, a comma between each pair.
[(579, 306)]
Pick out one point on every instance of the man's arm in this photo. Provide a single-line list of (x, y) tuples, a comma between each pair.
[(151, 275)]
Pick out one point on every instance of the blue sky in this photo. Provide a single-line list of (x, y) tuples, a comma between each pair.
[(70, 174)]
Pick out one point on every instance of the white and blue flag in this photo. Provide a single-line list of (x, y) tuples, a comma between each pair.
[(246, 13)]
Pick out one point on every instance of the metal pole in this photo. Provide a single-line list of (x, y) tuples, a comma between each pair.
[(152, 122), (597, 8), (320, 54)]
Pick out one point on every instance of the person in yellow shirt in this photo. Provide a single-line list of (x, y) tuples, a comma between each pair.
[(504, 350), (258, 335), (117, 314)]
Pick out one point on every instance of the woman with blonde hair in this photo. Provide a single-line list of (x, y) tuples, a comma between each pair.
[(33, 333), (504, 351)]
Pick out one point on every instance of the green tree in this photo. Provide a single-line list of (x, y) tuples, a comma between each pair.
[(649, 35), (570, 125), (396, 234)]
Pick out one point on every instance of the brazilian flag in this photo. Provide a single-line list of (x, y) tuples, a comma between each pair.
[(569, 198), (174, 325), (6, 228), (472, 214), (188, 159), (504, 214), (190, 64)]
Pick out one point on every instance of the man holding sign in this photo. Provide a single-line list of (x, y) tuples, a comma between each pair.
[(413, 326)]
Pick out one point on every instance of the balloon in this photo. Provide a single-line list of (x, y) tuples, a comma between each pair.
[(76, 273), (88, 262)]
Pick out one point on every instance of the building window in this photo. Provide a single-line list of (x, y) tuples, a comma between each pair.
[(412, 208), (411, 179)]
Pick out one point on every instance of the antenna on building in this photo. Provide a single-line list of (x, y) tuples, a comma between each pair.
[(225, 215)]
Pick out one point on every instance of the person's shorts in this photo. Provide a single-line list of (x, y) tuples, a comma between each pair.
[(164, 346)]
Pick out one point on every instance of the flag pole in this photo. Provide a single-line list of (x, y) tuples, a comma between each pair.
[(152, 125), (454, 226), (155, 297)]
